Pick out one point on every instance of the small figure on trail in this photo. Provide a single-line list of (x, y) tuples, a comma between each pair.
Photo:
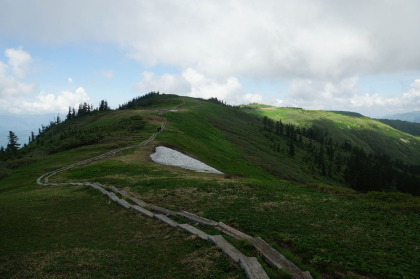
[(159, 129)]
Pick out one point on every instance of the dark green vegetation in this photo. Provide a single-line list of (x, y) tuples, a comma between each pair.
[(342, 162), (404, 126), (333, 231)]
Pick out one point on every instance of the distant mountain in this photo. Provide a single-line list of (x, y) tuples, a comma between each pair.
[(22, 125), (404, 126), (413, 116)]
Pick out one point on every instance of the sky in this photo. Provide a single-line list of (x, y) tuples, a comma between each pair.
[(360, 56)]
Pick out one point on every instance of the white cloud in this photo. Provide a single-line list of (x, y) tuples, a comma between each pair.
[(70, 80), (108, 74), (16, 96), (345, 95), (11, 86), (19, 61), (307, 39), (44, 103), (194, 84), (253, 98), (321, 90), (167, 83), (52, 103), (319, 47), (409, 101)]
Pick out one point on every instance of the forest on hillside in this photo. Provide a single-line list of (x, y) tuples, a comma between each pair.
[(360, 170)]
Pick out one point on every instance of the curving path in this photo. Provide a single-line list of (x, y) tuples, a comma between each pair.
[(251, 266)]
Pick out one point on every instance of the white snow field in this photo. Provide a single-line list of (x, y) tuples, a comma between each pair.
[(167, 156)]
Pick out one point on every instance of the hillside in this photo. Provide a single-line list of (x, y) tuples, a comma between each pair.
[(70, 231), (404, 126), (367, 133)]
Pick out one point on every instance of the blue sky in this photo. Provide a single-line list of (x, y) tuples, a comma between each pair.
[(362, 56)]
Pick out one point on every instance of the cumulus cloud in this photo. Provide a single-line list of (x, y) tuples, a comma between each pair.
[(275, 39), (52, 103), (11, 85), (16, 96), (167, 83), (195, 84), (70, 80), (408, 101), (320, 48), (345, 95), (319, 90), (19, 61)]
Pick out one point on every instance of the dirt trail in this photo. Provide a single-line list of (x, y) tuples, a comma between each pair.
[(250, 265)]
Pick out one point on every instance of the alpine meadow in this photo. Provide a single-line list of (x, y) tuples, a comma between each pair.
[(335, 193)]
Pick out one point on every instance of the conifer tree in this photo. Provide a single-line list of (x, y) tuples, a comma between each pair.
[(69, 115), (291, 149), (13, 144)]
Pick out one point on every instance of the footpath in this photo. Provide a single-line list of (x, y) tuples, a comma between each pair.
[(250, 265)]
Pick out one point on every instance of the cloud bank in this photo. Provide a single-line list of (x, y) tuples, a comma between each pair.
[(194, 84), (275, 39), (18, 96), (319, 48)]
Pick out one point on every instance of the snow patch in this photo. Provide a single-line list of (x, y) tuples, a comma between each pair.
[(170, 157)]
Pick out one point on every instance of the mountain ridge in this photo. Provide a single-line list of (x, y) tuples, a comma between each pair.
[(321, 225)]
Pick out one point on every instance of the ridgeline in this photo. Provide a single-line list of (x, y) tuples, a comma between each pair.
[(334, 192)]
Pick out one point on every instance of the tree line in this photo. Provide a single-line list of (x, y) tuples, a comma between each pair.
[(13, 146), (359, 170)]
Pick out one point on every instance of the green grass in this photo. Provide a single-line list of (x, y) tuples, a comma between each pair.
[(370, 134), (64, 232), (330, 230), (70, 232)]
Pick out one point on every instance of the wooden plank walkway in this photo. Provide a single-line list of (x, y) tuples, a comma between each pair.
[(143, 211), (251, 266), (194, 230), (197, 219), (232, 231), (274, 258), (226, 247), (166, 220)]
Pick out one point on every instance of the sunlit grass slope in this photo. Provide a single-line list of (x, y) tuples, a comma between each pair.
[(370, 134)]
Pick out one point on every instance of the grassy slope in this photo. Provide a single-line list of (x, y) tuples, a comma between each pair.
[(368, 133), (333, 231), (405, 126), (69, 232)]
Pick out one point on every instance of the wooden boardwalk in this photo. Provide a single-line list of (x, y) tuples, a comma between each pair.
[(250, 265)]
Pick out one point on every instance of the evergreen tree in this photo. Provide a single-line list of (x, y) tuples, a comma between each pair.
[(13, 144), (291, 149), (103, 105), (69, 115), (32, 136)]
